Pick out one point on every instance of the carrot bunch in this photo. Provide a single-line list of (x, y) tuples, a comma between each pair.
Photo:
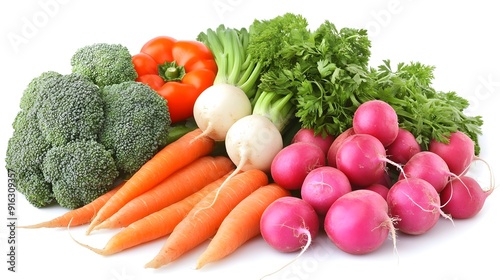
[(175, 194)]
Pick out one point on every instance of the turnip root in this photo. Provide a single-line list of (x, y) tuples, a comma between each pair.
[(218, 107), (416, 203), (358, 222), (291, 165), (323, 186)]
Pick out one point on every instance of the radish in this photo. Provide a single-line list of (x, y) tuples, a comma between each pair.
[(458, 153), (218, 107), (307, 135), (379, 188), (363, 160), (291, 165), (332, 150), (430, 167), (463, 198), (403, 147), (323, 186), (358, 222), (416, 203), (377, 118), (289, 224)]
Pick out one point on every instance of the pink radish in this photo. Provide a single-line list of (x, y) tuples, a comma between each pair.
[(307, 135), (430, 167), (415, 202), (379, 188), (377, 118), (358, 222), (403, 147), (289, 224), (332, 151), (291, 164), (463, 198), (363, 160), (322, 186), (458, 153)]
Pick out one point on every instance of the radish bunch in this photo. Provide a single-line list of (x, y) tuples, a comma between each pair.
[(347, 181)]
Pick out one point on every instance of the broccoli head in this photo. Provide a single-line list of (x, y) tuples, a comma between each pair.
[(79, 172), (31, 92), (136, 124), (69, 107), (104, 64)]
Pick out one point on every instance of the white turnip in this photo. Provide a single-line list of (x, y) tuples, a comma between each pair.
[(252, 142), (458, 153), (377, 118), (416, 203), (358, 222), (323, 186), (463, 198), (403, 147), (218, 107), (291, 165), (289, 224)]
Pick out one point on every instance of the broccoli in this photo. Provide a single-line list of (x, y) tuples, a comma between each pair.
[(136, 125), (78, 133), (104, 64), (79, 172), (69, 108)]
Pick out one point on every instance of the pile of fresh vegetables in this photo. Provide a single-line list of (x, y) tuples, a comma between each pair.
[(281, 131)]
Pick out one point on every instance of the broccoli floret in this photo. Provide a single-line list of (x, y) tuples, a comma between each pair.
[(31, 92), (136, 124), (79, 172), (103, 63), (25, 152), (69, 107)]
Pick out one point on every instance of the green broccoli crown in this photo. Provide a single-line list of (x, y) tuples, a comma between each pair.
[(69, 108), (136, 124), (104, 64), (31, 92), (79, 172)]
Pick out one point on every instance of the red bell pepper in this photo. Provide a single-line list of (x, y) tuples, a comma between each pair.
[(178, 70)]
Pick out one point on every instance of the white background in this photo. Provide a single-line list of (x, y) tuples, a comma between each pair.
[(460, 38)]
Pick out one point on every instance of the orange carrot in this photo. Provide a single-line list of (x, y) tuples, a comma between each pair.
[(180, 184), (241, 224), (155, 225), (171, 158), (79, 216), (202, 222)]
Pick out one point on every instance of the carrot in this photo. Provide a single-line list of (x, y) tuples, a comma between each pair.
[(79, 216), (155, 225), (171, 158), (180, 184), (202, 222), (241, 224)]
